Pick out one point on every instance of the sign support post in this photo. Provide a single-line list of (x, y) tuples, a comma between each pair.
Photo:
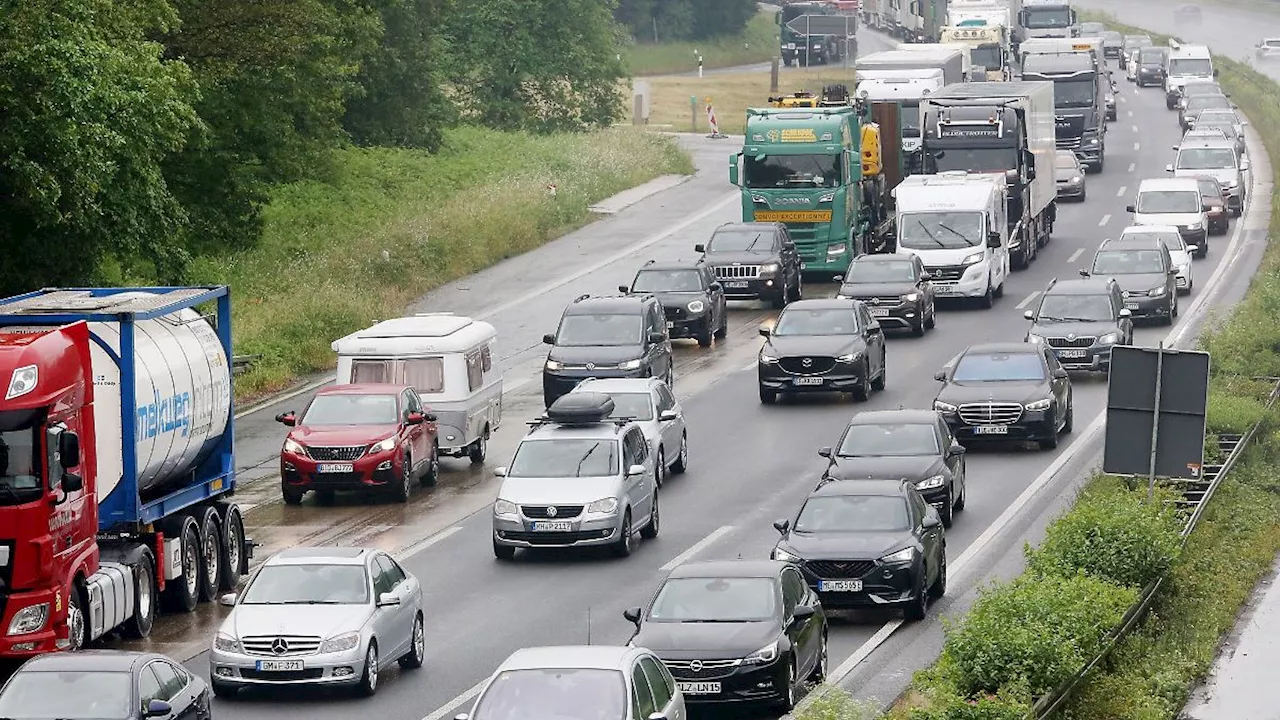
[(1155, 421)]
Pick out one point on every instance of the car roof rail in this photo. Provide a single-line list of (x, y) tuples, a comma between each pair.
[(650, 262), (582, 297)]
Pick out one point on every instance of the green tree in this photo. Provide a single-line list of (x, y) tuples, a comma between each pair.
[(401, 102), (537, 65), (91, 111)]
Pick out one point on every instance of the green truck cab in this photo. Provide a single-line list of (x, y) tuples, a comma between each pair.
[(804, 167)]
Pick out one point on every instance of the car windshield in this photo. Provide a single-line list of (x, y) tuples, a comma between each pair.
[(1127, 262), (861, 273), (1190, 66), (667, 281), (637, 406), (1075, 308), (600, 330), (1075, 93), (1203, 102), (1210, 189), (565, 457), (977, 160), (740, 241), (1045, 18), (1206, 158), (1066, 161), (344, 409), (816, 321), (930, 230), (1090, 29), (889, 440), (1168, 201), (986, 56), (20, 466), (559, 693), (1112, 38), (308, 584), (1171, 240), (1202, 89), (853, 513), (1215, 116), (909, 113), (753, 599), (68, 695), (994, 367), (792, 171)]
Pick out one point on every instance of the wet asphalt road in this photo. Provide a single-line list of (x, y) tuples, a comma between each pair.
[(750, 464)]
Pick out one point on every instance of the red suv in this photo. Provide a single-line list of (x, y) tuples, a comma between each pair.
[(359, 437)]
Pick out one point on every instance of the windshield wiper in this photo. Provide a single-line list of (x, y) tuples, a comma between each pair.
[(752, 246), (578, 471), (932, 237), (953, 232), (16, 498), (717, 620)]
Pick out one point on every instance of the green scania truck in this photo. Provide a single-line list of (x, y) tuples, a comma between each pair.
[(827, 173)]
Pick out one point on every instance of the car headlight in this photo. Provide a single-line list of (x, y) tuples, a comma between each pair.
[(911, 297), (29, 619), (1093, 141), (384, 446), (226, 643), (780, 554), (1035, 339), (1109, 339), (904, 555), (1194, 226), (505, 508), (697, 306), (554, 364), (827, 197), (1230, 184), (849, 357), (341, 643), (629, 365), (1038, 405), (604, 506), (767, 359), (1156, 292), (1076, 180), (1111, 98), (930, 483), (940, 406), (973, 258), (293, 446), (768, 268), (763, 656), (835, 249)]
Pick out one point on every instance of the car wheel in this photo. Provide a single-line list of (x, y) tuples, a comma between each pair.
[(947, 512), (798, 290), (1083, 195), (1050, 442), (290, 495), (404, 488), (480, 448), (417, 654), (768, 397), (863, 392), (369, 679), (723, 331), (660, 470), (76, 625), (503, 552), (964, 491), (780, 300), (682, 460), (918, 607), (879, 383), (918, 328), (820, 668), (704, 335), (988, 298), (931, 320), (939, 587), (650, 530), (787, 694), (622, 548), (1068, 423)]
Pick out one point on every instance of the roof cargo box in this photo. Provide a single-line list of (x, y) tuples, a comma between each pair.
[(585, 408)]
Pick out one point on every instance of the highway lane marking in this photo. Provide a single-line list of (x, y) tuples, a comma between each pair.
[(1132, 166), (454, 703), (1105, 219), (697, 547), (1135, 128), (1131, 115), (425, 543), (1120, 192), (1028, 300), (1075, 255), (1137, 146)]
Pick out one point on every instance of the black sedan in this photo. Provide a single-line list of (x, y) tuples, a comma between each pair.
[(104, 684), (1006, 392), (895, 289), (736, 631), (868, 544), (913, 445), (822, 346), (691, 297)]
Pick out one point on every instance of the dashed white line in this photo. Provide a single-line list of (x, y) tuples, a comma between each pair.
[(697, 547), (1130, 112), (1027, 301), (1137, 146), (1135, 128), (1120, 192), (1132, 166), (1075, 255), (1105, 219)]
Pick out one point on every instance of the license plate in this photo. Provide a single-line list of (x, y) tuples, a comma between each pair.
[(553, 526), (670, 324), (991, 430), (699, 688), (280, 665), (879, 312), (335, 468), (840, 585), (944, 289), (737, 284), (1131, 306), (1073, 353), (807, 381)]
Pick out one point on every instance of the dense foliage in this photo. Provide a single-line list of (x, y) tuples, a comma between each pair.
[(137, 135), (653, 21)]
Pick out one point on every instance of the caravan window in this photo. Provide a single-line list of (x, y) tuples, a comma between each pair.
[(475, 373), (486, 358), (370, 371), (426, 375)]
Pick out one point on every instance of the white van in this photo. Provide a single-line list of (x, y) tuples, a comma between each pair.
[(1173, 201), (449, 360)]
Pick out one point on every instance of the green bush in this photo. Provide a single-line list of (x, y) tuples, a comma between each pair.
[(832, 703), (1229, 413), (1037, 630), (986, 707), (1112, 534)]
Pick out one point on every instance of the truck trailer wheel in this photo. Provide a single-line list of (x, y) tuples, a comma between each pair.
[(233, 547), (182, 594), (77, 618), (139, 624), (212, 548)]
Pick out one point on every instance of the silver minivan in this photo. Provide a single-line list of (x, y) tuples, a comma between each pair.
[(1218, 159)]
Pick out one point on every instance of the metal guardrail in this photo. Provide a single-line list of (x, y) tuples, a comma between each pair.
[(1196, 496), (241, 363)]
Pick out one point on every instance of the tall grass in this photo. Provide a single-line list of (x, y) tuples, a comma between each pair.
[(757, 43), (389, 225)]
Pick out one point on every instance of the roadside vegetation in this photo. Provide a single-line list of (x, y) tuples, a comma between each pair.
[(1026, 637), (756, 43), (731, 94)]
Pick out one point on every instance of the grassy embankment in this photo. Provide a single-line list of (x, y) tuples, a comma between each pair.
[(755, 44), (731, 94), (995, 659), (389, 225)]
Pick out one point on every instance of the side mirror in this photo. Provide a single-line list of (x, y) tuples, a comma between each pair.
[(1244, 164), (700, 248), (227, 600), (635, 470), (668, 416), (765, 332), (733, 163), (716, 286), (158, 708), (1129, 209), (873, 329), (788, 245), (825, 452), (940, 376), (388, 600), (68, 449), (624, 289), (1126, 312), (656, 337), (72, 482), (430, 417), (1029, 314), (782, 526), (1172, 272), (500, 471), (549, 339), (955, 449), (993, 239), (1193, 248), (802, 612), (633, 614), (1168, 168), (926, 276), (931, 521), (1060, 374), (287, 418), (1215, 72), (658, 716), (414, 418), (1083, 272)]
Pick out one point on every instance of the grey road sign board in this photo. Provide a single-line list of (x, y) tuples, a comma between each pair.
[(1131, 412), (842, 25)]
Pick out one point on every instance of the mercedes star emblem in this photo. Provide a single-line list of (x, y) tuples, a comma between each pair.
[(696, 666), (552, 511), (591, 366), (279, 646)]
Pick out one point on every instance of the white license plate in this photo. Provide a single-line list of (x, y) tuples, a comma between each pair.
[(807, 381), (991, 430), (280, 665), (1073, 353), (670, 324), (879, 312), (335, 468), (699, 688), (945, 289), (738, 284), (1131, 306), (840, 585), (553, 526)]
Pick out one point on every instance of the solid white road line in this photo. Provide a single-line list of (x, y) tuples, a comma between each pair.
[(1028, 300), (1105, 219), (1075, 255), (697, 547), (454, 703), (1120, 192), (425, 543)]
